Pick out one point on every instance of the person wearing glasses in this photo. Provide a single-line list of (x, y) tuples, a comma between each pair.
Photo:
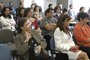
[(47, 25), (82, 32), (25, 41), (63, 39), (7, 20), (34, 24)]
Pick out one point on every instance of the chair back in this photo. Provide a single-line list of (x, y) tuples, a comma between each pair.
[(74, 39), (6, 35), (5, 53), (52, 44), (0, 26)]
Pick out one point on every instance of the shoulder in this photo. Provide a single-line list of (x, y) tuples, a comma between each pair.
[(57, 30), (87, 26)]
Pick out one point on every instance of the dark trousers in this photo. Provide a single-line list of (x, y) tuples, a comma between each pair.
[(47, 37), (86, 49), (41, 56)]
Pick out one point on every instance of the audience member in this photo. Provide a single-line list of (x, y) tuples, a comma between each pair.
[(56, 12), (34, 25), (2, 4), (50, 6), (63, 39), (82, 32), (11, 4), (61, 10), (26, 39), (0, 8), (17, 9), (7, 20), (48, 24), (32, 7), (71, 12), (21, 13)]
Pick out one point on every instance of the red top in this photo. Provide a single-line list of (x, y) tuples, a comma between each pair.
[(35, 23), (81, 35)]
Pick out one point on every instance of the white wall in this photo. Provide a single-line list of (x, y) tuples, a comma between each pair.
[(64, 3), (47, 2)]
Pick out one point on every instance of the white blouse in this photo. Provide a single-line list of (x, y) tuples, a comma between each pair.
[(62, 42), (8, 23)]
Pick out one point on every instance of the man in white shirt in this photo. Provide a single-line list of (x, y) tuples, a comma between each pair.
[(71, 12)]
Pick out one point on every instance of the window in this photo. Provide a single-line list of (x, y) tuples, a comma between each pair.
[(27, 3)]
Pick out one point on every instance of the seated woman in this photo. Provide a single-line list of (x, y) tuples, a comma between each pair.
[(63, 39), (26, 39), (82, 32), (7, 20), (21, 13), (34, 24), (36, 11), (56, 12)]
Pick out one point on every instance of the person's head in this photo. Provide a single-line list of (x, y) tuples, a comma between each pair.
[(60, 5), (71, 6), (36, 9), (65, 10), (82, 9), (21, 4), (40, 9), (83, 18), (23, 25), (10, 9), (63, 22), (21, 12), (2, 3), (49, 12), (11, 3), (28, 12), (32, 6), (56, 9), (50, 6), (5, 11)]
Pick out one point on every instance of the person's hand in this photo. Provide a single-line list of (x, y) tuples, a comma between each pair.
[(27, 35), (74, 47), (39, 48)]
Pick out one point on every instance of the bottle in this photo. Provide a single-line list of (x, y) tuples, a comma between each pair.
[(35, 50)]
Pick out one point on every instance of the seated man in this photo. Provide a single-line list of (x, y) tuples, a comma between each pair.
[(48, 24)]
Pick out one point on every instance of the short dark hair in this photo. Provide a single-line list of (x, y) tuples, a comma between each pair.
[(70, 5), (35, 8), (2, 2), (64, 10), (59, 4), (10, 8), (21, 23), (10, 2), (31, 5), (81, 8), (21, 3), (3, 12), (47, 11), (55, 9), (26, 11), (50, 5), (82, 15)]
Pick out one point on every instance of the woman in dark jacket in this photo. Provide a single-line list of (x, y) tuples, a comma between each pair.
[(26, 39)]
